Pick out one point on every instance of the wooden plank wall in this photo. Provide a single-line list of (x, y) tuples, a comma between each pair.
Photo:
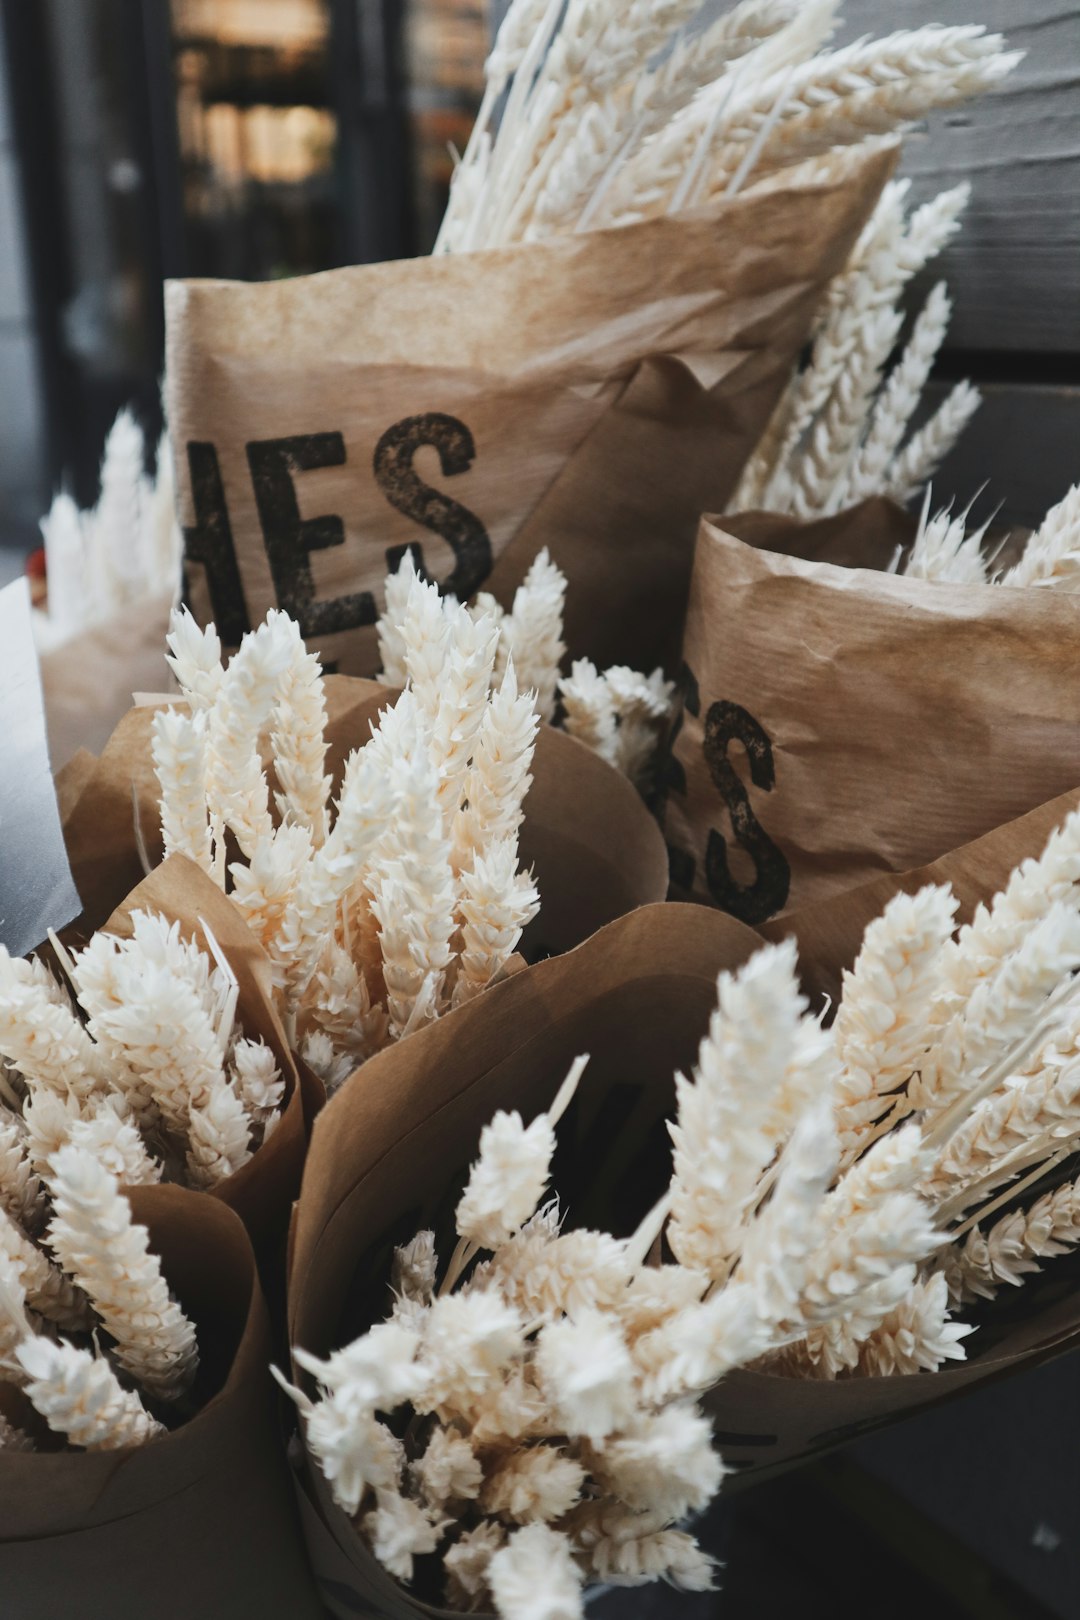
[(1014, 270)]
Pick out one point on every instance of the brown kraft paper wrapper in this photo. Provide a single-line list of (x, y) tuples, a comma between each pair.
[(841, 723), (593, 394), (596, 850), (389, 1156), (201, 1521)]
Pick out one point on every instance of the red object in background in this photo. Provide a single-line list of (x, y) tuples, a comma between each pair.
[(35, 573)]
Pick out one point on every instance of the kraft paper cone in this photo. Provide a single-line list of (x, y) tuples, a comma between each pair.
[(842, 723), (596, 850), (262, 1190), (594, 394), (199, 1522)]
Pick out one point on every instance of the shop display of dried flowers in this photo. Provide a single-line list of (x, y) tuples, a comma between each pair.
[(829, 1208), (410, 899), (76, 1269)]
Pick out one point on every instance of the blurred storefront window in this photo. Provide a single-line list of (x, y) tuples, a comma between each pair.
[(236, 138)]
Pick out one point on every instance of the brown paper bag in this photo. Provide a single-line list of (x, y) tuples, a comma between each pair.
[(593, 394), (389, 1156), (596, 850), (842, 723), (198, 1522)]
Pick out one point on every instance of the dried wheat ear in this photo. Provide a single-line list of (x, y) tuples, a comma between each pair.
[(525, 1419)]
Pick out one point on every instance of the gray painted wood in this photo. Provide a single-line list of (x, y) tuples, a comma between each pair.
[(1014, 270), (1023, 445)]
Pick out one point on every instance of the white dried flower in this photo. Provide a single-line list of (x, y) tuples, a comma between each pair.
[(400, 1530), (379, 1370), (21, 1195), (12, 1438), (237, 791), (1052, 555), (1014, 1247), (498, 778), (508, 1179), (389, 627), (470, 1340), (534, 1576), (108, 1254), (665, 1464), (883, 1023), (546, 1274), (589, 709), (298, 740), (629, 1549), (257, 1080), (587, 1374), (535, 1484), (413, 893), (414, 1267), (111, 1138), (46, 1289), (726, 1130), (39, 1033), (194, 658), (917, 1335), (79, 1396), (448, 1470), (466, 1563)]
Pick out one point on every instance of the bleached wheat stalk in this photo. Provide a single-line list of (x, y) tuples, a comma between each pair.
[(1052, 555), (899, 398), (924, 452), (80, 1397), (97, 1242)]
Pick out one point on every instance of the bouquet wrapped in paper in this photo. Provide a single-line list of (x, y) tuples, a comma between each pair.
[(140, 1470), (506, 1374), (862, 693)]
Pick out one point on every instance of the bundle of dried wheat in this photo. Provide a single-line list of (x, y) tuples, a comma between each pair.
[(820, 1222), (76, 1270), (146, 1069), (410, 899)]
